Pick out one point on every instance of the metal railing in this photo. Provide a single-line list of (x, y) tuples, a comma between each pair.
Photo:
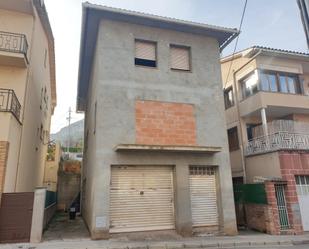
[(281, 140), (9, 102), (13, 42)]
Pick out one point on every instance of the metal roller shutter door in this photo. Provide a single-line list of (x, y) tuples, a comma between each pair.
[(141, 198), (203, 196)]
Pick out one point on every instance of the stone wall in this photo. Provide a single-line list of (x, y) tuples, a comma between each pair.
[(69, 182), (258, 217)]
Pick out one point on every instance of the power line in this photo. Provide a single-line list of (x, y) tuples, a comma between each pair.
[(236, 42)]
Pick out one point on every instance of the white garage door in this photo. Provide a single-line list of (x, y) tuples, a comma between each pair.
[(203, 196), (302, 184), (141, 198)]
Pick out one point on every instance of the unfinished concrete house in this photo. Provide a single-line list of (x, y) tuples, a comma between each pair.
[(156, 152)]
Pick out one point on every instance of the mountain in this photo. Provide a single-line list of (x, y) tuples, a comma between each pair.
[(77, 134)]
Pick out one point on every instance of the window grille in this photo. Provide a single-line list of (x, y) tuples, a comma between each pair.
[(202, 170)]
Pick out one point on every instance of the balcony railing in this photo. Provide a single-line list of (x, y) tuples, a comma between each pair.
[(281, 140), (9, 102), (12, 42)]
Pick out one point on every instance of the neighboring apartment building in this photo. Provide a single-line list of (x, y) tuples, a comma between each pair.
[(266, 95), (27, 93), (156, 154)]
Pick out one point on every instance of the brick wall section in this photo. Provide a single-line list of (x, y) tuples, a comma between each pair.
[(256, 219), (4, 150), (265, 217), (272, 223), (292, 164), (162, 123)]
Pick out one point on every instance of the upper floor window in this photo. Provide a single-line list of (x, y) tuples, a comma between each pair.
[(233, 139), (279, 82), (249, 85), (270, 81), (228, 97), (180, 57), (145, 53)]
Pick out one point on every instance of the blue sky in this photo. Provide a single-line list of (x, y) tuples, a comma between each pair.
[(271, 23)]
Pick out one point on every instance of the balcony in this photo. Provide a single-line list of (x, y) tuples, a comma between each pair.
[(275, 103), (13, 49), (9, 103), (283, 135)]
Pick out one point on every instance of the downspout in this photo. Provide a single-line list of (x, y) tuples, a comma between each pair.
[(25, 96), (238, 113)]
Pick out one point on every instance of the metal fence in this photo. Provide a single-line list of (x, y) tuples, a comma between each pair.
[(282, 207), (13, 42), (250, 193), (9, 102), (51, 198)]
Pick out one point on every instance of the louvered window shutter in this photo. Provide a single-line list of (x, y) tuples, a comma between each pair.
[(145, 50), (180, 58)]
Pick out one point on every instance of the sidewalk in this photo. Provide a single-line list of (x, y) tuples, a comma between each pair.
[(241, 241)]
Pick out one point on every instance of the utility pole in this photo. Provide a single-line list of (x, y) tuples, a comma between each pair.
[(69, 133)]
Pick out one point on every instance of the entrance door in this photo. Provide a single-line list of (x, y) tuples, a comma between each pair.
[(16, 217), (282, 208), (302, 184), (203, 196), (141, 198)]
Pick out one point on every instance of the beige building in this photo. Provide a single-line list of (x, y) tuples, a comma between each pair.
[(27, 93), (266, 95)]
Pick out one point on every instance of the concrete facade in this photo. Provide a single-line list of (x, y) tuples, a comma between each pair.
[(117, 87), (29, 73)]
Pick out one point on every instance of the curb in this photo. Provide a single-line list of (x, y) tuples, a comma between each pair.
[(227, 244)]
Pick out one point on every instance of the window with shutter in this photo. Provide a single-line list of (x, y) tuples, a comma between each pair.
[(145, 53), (180, 58)]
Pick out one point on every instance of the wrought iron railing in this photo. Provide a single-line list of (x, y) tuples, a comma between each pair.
[(280, 140), (9, 102), (13, 42)]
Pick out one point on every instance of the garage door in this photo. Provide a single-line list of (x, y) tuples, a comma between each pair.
[(141, 198), (302, 184), (16, 217), (203, 196)]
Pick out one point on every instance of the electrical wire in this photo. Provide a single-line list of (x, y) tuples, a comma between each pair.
[(236, 42)]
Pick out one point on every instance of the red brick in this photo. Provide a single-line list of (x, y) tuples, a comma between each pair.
[(165, 123)]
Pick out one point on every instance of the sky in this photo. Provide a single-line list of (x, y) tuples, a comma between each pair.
[(274, 23)]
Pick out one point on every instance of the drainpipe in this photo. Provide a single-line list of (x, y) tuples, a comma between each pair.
[(242, 145)]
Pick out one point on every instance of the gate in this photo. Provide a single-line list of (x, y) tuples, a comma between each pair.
[(282, 209), (16, 217)]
